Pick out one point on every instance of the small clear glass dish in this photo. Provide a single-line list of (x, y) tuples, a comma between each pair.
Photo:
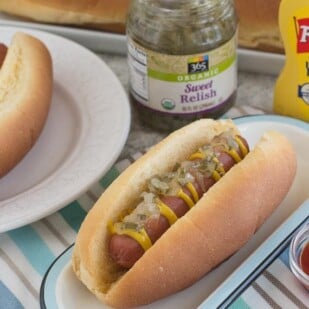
[(298, 244)]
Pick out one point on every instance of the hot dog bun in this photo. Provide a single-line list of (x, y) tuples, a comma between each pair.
[(25, 97), (258, 19), (258, 25), (218, 225), (99, 14)]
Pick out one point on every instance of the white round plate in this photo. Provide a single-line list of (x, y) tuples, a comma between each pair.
[(86, 129), (61, 289)]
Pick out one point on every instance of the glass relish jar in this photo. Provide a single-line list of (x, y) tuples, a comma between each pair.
[(182, 60)]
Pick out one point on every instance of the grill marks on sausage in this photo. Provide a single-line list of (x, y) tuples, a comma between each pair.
[(125, 251)]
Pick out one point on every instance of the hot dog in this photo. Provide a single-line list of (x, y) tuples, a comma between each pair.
[(192, 178), (228, 209), (26, 81), (95, 14)]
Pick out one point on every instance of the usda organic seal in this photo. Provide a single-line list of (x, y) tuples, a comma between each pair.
[(168, 104)]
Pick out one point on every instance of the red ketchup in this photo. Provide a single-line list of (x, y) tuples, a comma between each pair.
[(304, 259)]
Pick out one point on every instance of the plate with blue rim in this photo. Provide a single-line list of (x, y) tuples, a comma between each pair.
[(61, 289)]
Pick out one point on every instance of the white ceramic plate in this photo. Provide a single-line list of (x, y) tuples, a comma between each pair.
[(60, 288), (86, 129), (100, 41)]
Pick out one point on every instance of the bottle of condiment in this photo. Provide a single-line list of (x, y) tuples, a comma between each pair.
[(182, 60), (291, 94)]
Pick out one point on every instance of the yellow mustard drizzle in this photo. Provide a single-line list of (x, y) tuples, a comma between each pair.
[(215, 175), (242, 146), (197, 155), (167, 212), (193, 191), (219, 171), (234, 154), (186, 198), (141, 236)]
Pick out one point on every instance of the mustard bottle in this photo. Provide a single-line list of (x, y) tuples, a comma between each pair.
[(291, 93)]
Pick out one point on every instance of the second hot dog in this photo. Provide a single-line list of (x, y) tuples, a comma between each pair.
[(26, 90)]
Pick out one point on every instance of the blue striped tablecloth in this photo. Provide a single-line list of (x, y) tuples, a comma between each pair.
[(276, 288), (27, 252)]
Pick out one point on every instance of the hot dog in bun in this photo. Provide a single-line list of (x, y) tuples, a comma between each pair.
[(26, 81), (98, 14), (182, 208), (259, 26)]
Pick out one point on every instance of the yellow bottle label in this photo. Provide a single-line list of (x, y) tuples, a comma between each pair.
[(291, 94)]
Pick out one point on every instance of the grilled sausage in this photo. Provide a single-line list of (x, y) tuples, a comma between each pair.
[(125, 251)]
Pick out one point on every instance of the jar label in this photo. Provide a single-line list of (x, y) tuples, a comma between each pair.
[(186, 84)]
